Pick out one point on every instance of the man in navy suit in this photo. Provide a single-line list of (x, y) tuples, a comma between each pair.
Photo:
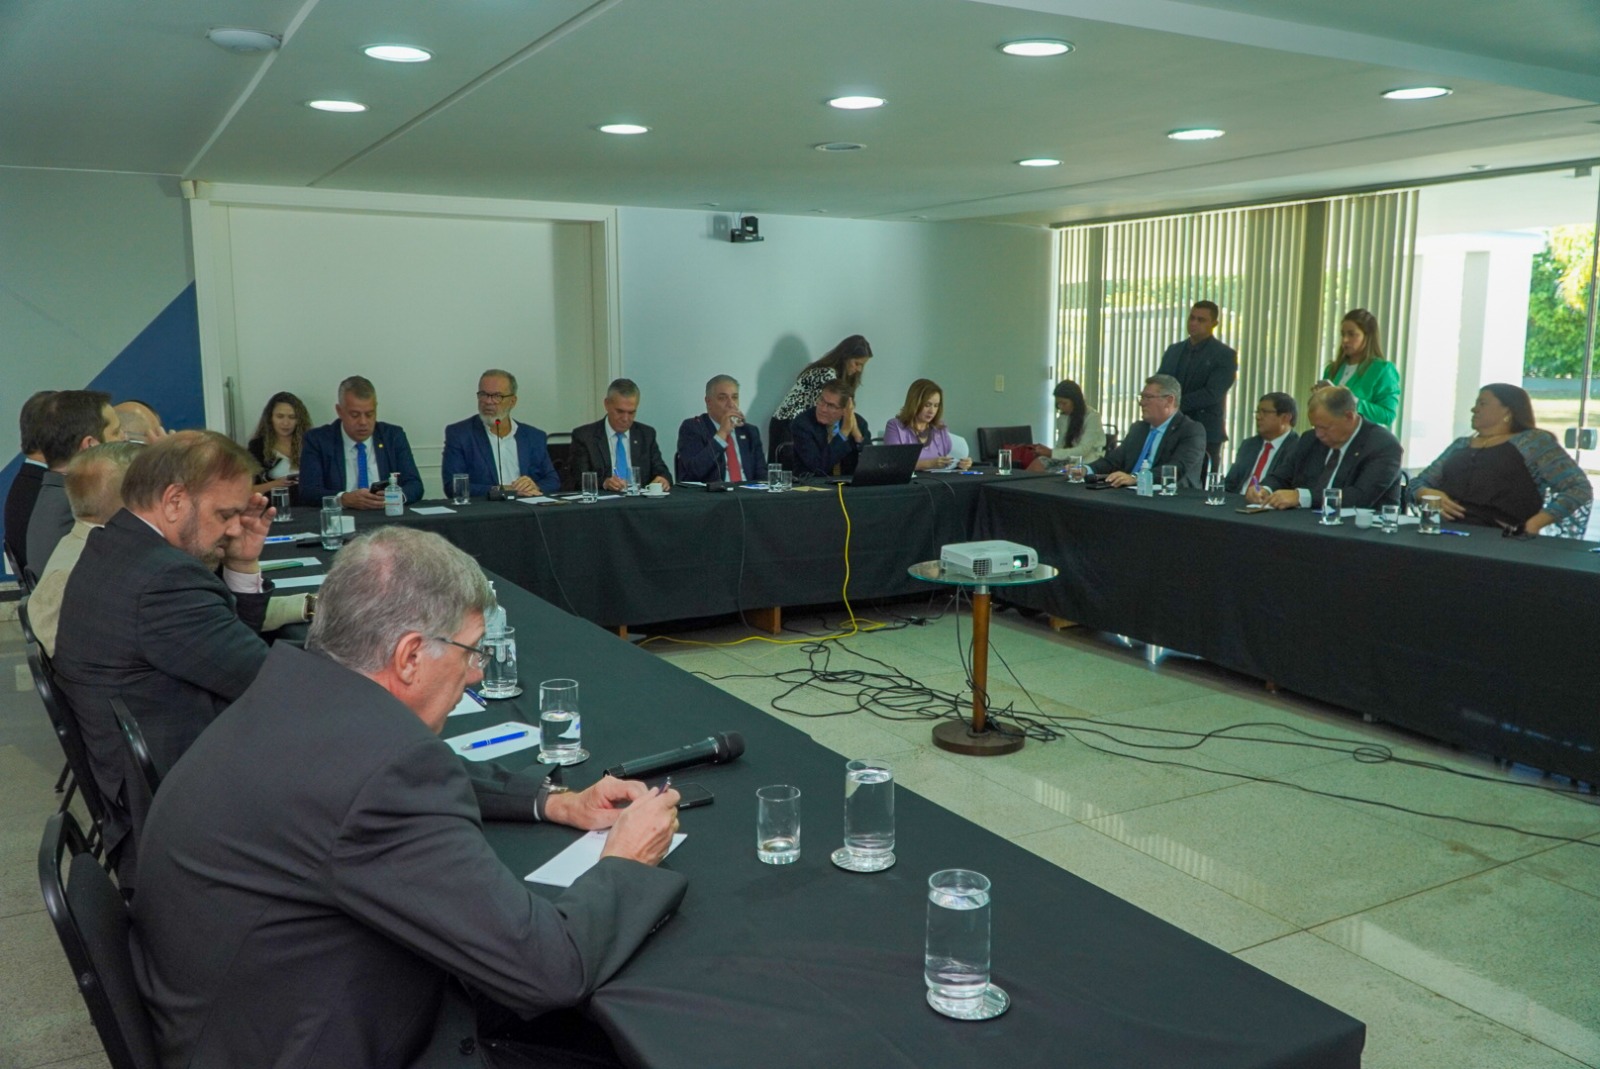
[(492, 449), (615, 445), (1270, 449), (830, 435), (720, 444), (1164, 436), (1344, 452), (354, 455)]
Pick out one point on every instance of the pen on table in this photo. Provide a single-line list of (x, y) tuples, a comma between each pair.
[(1458, 534), (476, 697), (481, 743)]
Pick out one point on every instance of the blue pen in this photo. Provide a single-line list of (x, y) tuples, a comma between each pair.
[(481, 743), (278, 540), (1458, 534), (475, 696)]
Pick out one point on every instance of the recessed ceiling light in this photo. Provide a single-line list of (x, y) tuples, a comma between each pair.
[(398, 53), (856, 103), (336, 105), (244, 42), (624, 128), (1039, 161), (1417, 92), (839, 146), (1037, 46), (1199, 133)]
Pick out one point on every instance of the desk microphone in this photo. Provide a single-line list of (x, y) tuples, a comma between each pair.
[(716, 750), (497, 492)]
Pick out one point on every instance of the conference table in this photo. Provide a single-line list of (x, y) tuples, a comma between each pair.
[(1480, 641)]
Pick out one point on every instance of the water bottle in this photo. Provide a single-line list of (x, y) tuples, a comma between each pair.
[(1146, 480), (494, 619), (394, 502)]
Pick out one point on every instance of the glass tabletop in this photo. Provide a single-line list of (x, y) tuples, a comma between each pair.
[(934, 571)]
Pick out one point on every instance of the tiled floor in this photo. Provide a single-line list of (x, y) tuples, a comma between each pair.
[(1460, 946)]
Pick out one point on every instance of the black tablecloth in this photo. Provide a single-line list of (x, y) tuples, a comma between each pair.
[(1480, 641), (807, 965)]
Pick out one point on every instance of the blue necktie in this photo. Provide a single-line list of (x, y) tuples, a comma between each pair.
[(622, 458), (1149, 440), (363, 479)]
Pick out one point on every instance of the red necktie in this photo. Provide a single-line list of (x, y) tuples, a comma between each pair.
[(1261, 465), (735, 472)]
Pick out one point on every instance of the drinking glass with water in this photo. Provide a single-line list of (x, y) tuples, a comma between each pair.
[(955, 965), (1332, 504), (1002, 462), (868, 817), (560, 725), (1431, 520), (778, 825), (460, 489), (500, 666), (1215, 490), (1169, 480)]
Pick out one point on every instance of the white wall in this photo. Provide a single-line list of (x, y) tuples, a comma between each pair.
[(958, 303)]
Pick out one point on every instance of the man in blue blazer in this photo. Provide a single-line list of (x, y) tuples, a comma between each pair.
[(492, 449), (720, 445), (354, 455), (830, 434)]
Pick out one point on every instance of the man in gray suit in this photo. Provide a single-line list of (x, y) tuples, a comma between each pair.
[(148, 614), (316, 887)]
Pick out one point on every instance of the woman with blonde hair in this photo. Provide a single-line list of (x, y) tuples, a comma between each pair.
[(921, 421), (1360, 367)]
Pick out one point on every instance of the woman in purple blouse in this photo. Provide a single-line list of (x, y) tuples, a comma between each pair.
[(921, 420)]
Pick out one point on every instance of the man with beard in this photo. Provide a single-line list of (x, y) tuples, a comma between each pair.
[(164, 609)]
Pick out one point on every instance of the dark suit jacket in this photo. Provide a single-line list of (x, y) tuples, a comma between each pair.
[(314, 872), (703, 458), (592, 446), (1183, 444), (322, 462), (1250, 452), (19, 509), (817, 449), (468, 449), (145, 620), (1206, 377), (50, 522), (1369, 474)]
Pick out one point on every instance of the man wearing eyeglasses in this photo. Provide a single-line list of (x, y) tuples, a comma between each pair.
[(317, 887), (495, 451), (828, 436), (1162, 436)]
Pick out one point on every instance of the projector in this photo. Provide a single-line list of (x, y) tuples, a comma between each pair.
[(982, 559)]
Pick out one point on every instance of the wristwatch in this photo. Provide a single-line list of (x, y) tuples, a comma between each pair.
[(548, 788), (311, 606)]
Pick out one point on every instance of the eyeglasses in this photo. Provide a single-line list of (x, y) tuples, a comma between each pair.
[(495, 397), (1151, 396), (829, 405), (477, 656)]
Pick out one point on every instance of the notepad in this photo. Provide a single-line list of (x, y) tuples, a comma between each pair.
[(432, 510), (582, 855), (297, 581), (469, 703), (540, 501), (526, 736), (290, 562)]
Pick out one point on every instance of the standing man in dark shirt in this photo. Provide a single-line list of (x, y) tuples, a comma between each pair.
[(1206, 369)]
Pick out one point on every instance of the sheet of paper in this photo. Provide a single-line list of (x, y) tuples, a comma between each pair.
[(469, 703), (565, 868), (295, 581), (432, 510), (290, 562), (540, 501), (496, 741)]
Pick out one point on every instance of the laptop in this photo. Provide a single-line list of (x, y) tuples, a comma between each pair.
[(882, 465)]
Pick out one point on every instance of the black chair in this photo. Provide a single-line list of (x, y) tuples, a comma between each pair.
[(559, 446), (72, 745), (138, 749), (1112, 440), (779, 434), (783, 456), (27, 624), (993, 439), (92, 922)]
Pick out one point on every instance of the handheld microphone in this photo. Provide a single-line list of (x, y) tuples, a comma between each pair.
[(497, 492), (716, 750)]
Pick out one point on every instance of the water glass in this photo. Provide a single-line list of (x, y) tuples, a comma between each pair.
[(1169, 480), (1075, 469), (775, 474), (500, 670), (632, 489), (778, 825), (1389, 518), (591, 486), (1332, 502), (785, 480), (280, 501), (955, 964), (560, 725), (460, 489), (1002, 462), (332, 528), (868, 817), (1216, 493), (1429, 509), (333, 501)]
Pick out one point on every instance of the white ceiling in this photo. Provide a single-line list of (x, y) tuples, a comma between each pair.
[(734, 92)]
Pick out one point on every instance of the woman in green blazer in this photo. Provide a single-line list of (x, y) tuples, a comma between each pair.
[(1360, 366)]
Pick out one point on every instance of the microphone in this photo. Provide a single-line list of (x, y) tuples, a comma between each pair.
[(716, 750)]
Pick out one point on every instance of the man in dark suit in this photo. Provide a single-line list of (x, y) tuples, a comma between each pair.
[(616, 445), (1270, 448), (1164, 436), (354, 455), (25, 486), (720, 444), (828, 437), (492, 449), (1346, 452), (72, 421), (317, 889), (149, 615), (1205, 369)]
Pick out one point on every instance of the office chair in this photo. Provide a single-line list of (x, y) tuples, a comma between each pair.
[(993, 439), (91, 920), (783, 456), (559, 452)]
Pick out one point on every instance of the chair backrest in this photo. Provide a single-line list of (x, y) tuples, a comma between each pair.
[(27, 624), (91, 920), (783, 456), (67, 734), (779, 433), (559, 446), (138, 749), (992, 439)]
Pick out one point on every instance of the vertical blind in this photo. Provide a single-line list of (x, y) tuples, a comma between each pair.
[(1282, 275)]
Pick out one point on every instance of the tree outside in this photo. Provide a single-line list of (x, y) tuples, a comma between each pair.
[(1558, 303)]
